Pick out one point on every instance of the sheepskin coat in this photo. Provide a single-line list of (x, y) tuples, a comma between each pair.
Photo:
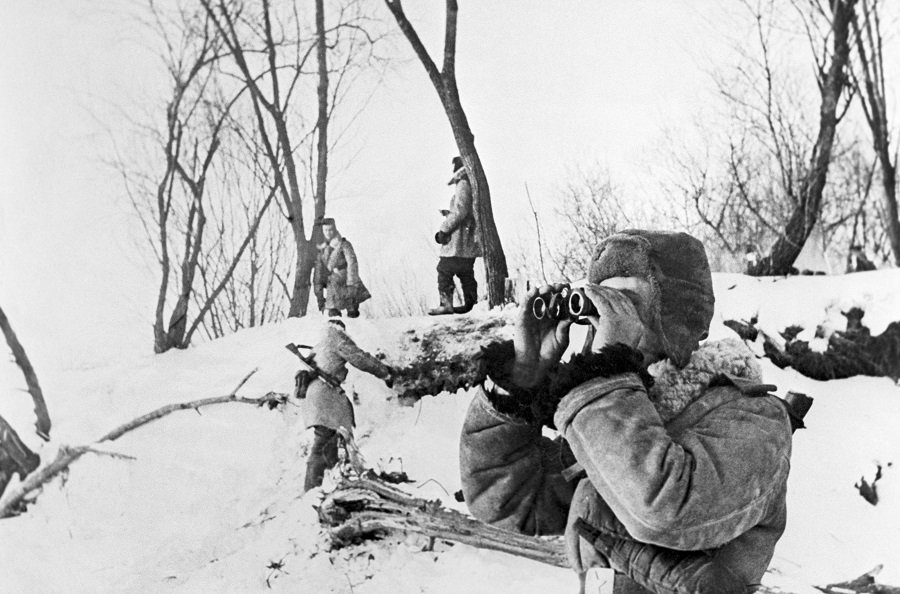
[(698, 463), (327, 406), (459, 221), (337, 271)]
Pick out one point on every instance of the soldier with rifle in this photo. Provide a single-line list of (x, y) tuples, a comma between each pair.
[(324, 405)]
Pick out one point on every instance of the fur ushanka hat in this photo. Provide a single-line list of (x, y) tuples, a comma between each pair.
[(678, 271)]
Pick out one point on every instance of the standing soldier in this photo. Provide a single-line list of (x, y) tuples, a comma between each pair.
[(336, 277), (326, 408), (459, 246), (857, 261)]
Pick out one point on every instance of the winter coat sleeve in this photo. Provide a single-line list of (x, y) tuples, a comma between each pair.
[(352, 264), (461, 209), (718, 479), (357, 357), (511, 474)]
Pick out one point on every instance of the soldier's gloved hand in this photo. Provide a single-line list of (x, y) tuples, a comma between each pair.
[(321, 304), (538, 343), (617, 320), (442, 238)]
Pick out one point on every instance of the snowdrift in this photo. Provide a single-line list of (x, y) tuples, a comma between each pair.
[(211, 500)]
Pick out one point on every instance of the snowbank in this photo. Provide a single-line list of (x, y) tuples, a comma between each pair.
[(212, 499)]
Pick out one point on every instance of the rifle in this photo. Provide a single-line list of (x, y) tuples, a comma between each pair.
[(309, 364)]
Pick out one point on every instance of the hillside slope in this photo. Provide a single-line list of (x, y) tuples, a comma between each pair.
[(212, 499)]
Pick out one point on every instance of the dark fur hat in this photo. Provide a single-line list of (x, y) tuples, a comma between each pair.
[(675, 264)]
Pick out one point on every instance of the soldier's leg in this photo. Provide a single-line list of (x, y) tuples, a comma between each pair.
[(466, 272), (322, 455), (445, 270)]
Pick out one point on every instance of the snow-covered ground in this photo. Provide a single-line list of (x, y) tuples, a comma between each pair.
[(211, 501)]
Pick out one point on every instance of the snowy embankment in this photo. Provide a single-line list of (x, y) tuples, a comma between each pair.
[(211, 500)]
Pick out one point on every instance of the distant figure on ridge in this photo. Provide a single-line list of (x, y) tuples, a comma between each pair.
[(751, 259), (326, 408), (857, 261), (459, 246), (336, 277)]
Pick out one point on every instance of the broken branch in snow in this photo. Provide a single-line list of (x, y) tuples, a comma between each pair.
[(34, 388), (10, 504), (864, 584), (366, 506)]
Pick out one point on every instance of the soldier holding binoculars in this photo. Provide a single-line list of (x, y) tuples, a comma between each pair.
[(672, 458)]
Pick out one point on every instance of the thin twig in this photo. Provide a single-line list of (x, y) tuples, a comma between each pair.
[(537, 226)]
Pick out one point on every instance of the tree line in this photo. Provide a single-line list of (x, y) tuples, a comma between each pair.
[(230, 178)]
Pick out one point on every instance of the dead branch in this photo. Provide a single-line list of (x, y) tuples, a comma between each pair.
[(365, 506), (10, 503), (34, 388)]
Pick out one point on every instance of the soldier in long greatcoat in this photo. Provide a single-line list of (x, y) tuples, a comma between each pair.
[(327, 408), (336, 278)]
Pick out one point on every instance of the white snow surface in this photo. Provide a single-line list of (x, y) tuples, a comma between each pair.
[(210, 499)]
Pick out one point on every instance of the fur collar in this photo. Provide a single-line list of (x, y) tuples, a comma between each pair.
[(675, 388), (460, 174), (333, 244)]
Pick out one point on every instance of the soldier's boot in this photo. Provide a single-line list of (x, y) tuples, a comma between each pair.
[(446, 306), (470, 294)]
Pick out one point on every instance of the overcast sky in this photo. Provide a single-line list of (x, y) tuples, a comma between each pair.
[(546, 87)]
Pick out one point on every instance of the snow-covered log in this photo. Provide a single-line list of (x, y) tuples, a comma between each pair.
[(444, 356), (367, 506)]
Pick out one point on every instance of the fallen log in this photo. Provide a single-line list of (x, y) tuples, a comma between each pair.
[(365, 507), (368, 507)]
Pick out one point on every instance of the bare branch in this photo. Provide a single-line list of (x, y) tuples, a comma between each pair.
[(67, 455), (42, 424)]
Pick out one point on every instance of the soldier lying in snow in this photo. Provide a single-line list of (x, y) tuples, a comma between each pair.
[(686, 470)]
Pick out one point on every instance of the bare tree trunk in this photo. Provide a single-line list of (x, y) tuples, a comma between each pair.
[(804, 217), (444, 82), (307, 260)]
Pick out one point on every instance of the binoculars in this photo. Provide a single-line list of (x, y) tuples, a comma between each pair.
[(566, 303)]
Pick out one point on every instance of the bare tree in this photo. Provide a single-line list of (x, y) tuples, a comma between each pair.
[(174, 204), (444, 81), (591, 207), (271, 53), (873, 99), (832, 84), (759, 182)]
